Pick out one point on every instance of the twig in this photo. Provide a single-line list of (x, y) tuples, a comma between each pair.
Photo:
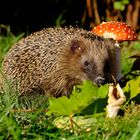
[(89, 8), (135, 15), (96, 13), (114, 80), (71, 121), (84, 17), (132, 14), (27, 110)]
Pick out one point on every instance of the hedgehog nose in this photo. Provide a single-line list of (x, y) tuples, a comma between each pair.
[(100, 80)]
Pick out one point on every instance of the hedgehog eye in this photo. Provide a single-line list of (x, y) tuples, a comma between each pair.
[(86, 63)]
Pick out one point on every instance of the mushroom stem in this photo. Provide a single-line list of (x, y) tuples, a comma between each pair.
[(117, 66), (116, 99), (115, 63)]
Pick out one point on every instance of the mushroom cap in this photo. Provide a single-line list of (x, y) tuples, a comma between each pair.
[(119, 31)]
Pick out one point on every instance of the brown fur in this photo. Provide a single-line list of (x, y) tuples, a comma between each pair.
[(53, 60)]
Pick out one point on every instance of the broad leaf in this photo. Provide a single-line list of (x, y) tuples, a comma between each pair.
[(81, 97), (133, 87), (119, 5), (125, 1)]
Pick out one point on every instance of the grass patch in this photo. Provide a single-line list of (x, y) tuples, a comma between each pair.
[(25, 117)]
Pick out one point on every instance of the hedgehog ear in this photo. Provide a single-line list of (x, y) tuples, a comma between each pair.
[(76, 46)]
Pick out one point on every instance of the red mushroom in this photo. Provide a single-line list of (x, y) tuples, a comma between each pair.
[(119, 31)]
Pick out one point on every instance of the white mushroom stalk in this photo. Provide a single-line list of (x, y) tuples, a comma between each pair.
[(116, 99)]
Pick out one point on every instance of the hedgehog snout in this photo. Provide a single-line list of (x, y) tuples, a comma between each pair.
[(100, 80)]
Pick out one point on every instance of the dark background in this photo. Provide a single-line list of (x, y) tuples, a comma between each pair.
[(29, 16), (34, 15)]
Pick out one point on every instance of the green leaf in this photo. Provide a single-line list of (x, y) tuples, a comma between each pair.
[(81, 97), (119, 5), (133, 87), (136, 46), (125, 1), (126, 61)]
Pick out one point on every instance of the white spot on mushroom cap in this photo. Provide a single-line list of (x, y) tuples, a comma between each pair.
[(100, 26), (100, 31), (135, 37)]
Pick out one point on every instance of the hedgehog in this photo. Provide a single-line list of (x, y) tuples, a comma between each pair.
[(55, 59)]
